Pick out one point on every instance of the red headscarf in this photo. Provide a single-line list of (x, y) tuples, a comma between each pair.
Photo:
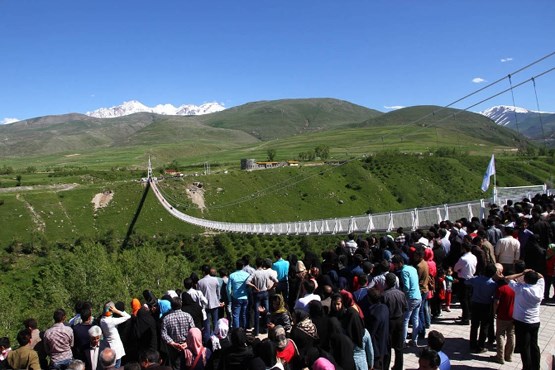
[(349, 301)]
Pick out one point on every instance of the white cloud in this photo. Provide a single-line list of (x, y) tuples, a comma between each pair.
[(6, 121), (478, 80), (504, 60), (394, 107)]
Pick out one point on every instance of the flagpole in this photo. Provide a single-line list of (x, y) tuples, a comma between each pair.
[(494, 184)]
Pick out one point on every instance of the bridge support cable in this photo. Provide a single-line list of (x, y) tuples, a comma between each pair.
[(539, 112)]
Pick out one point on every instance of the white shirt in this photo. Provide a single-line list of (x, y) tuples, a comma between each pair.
[(109, 324), (351, 246), (466, 266), (303, 302), (507, 250), (446, 244), (200, 299), (527, 301), (94, 357)]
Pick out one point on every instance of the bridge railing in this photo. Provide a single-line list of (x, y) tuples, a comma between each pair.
[(379, 222)]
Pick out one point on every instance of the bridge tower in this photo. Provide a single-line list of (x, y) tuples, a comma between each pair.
[(149, 173)]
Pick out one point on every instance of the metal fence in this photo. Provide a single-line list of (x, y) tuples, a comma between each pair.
[(380, 222)]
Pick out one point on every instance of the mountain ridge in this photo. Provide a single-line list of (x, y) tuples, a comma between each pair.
[(135, 106)]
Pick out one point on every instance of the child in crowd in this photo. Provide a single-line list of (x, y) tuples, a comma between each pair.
[(448, 288), (440, 290)]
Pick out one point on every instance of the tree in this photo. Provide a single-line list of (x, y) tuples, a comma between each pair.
[(322, 151), (18, 180), (271, 154)]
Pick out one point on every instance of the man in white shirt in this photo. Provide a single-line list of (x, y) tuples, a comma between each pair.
[(351, 245), (507, 249), (465, 269), (526, 315), (302, 303)]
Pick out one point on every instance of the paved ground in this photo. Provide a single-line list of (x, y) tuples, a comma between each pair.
[(457, 347)]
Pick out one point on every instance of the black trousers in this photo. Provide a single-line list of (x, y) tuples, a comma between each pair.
[(396, 343), (464, 293), (526, 336), (481, 317)]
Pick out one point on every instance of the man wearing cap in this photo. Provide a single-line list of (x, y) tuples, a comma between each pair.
[(507, 249)]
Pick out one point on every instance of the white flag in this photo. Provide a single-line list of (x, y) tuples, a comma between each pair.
[(489, 172)]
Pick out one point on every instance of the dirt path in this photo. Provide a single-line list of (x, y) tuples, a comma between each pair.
[(58, 187), (196, 195), (37, 219)]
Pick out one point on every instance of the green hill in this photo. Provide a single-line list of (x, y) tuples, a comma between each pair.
[(449, 121), (275, 119)]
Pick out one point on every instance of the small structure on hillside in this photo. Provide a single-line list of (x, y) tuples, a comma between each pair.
[(173, 173), (251, 164)]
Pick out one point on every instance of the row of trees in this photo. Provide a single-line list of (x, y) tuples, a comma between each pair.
[(321, 151)]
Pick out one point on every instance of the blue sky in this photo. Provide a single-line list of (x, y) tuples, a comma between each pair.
[(64, 56)]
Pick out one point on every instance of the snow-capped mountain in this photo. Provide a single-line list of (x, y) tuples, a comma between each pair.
[(505, 115), (134, 106)]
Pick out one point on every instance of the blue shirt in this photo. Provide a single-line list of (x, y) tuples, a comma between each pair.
[(483, 289), (237, 284), (281, 266), (409, 277), (444, 362)]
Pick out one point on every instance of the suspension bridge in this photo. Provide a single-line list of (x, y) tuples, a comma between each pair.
[(380, 222)]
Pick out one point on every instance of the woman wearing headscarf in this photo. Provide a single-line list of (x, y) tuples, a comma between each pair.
[(108, 324), (265, 357), (304, 332), (278, 313), (322, 363), (219, 341), (196, 355), (363, 352), (143, 327), (239, 354), (341, 346), (349, 302), (286, 349), (321, 321), (165, 306), (377, 322)]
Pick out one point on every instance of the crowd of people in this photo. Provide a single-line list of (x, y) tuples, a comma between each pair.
[(351, 307)]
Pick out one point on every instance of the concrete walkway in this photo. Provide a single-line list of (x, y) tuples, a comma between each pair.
[(457, 345)]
